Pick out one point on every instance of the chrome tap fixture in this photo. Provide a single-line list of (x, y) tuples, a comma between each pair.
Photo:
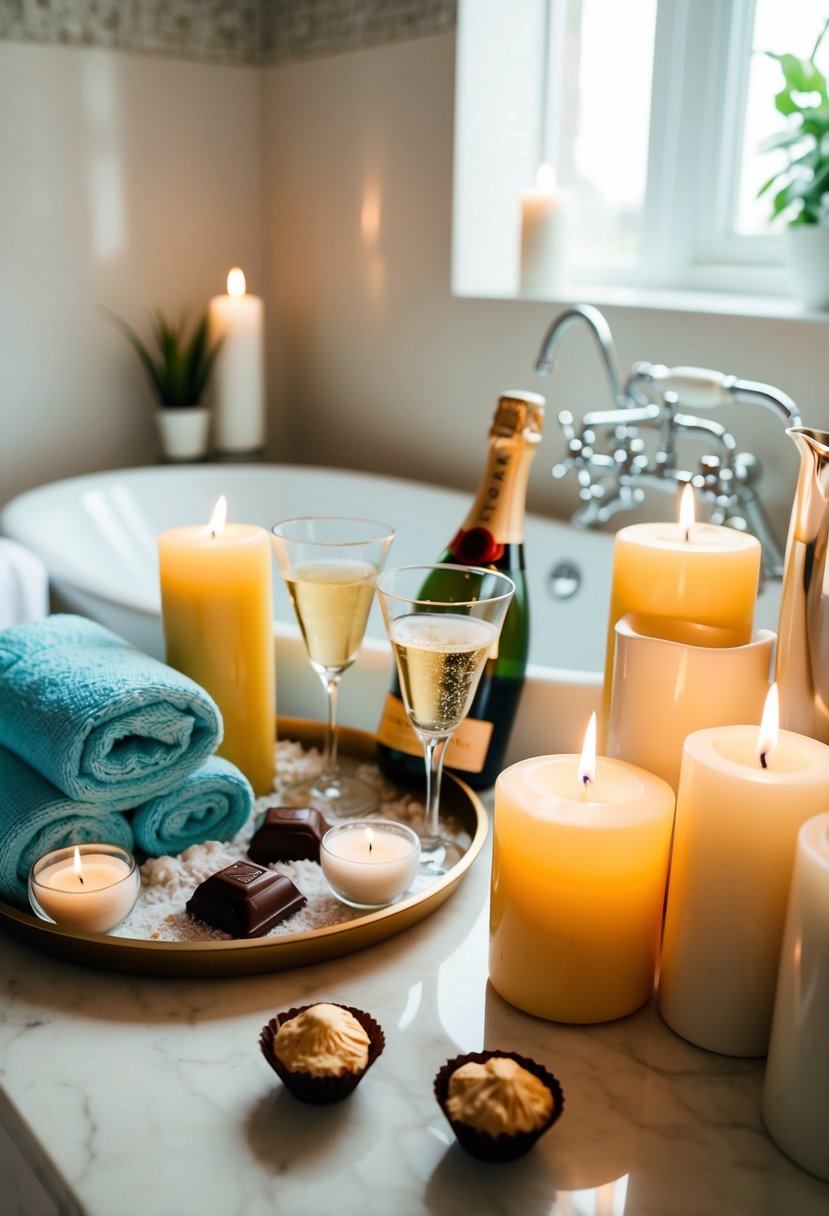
[(619, 453)]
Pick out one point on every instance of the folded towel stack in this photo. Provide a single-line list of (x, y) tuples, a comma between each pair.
[(90, 727), (95, 716), (35, 818)]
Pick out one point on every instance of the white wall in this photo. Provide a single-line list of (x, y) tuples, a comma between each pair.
[(133, 181), (125, 181), (377, 364)]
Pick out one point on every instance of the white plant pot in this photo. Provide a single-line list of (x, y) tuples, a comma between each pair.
[(183, 431), (808, 256)]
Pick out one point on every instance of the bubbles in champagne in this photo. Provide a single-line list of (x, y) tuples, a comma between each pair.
[(440, 659), (332, 602)]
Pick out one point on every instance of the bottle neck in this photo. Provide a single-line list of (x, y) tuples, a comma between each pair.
[(500, 504), (496, 516)]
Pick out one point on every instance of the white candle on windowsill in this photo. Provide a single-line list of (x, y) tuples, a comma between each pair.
[(238, 382), (545, 234)]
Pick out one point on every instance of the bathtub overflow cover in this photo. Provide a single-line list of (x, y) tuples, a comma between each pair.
[(564, 580)]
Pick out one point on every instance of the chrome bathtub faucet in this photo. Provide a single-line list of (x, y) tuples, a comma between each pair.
[(620, 453)]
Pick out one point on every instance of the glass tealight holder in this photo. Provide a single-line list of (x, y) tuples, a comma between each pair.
[(89, 888), (370, 863)]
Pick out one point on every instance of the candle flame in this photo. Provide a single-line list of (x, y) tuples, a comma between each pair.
[(545, 178), (218, 518), (236, 284), (686, 511), (369, 839), (769, 727), (587, 764), (77, 865)]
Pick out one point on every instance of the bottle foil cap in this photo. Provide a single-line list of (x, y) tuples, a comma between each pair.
[(518, 412)]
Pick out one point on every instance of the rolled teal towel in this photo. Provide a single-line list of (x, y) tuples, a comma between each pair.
[(96, 717), (35, 818), (213, 803)]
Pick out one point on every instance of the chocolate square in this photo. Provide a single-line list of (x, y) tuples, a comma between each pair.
[(288, 833), (245, 900)]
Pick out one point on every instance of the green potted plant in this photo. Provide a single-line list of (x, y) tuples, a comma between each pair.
[(799, 189), (178, 363)]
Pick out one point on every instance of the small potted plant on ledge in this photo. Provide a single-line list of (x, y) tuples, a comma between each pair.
[(801, 186), (178, 366)]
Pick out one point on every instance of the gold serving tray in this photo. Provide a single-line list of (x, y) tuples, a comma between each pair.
[(256, 955)]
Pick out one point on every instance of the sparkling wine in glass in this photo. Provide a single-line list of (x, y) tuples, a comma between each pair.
[(329, 564), (443, 622)]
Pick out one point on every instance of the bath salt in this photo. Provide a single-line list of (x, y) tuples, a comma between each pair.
[(168, 882)]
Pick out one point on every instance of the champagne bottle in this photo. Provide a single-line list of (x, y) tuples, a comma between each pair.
[(492, 535)]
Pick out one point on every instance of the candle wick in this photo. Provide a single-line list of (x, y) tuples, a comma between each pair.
[(687, 536), (370, 846), (80, 879), (213, 535), (586, 780), (763, 760)]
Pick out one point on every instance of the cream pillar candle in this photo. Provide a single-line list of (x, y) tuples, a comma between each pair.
[(796, 1090), (578, 884), (731, 865), (238, 382), (218, 627), (545, 234), (670, 680), (695, 572)]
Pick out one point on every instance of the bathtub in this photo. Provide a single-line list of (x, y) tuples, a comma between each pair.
[(97, 536)]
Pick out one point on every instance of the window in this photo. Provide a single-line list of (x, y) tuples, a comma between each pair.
[(651, 112)]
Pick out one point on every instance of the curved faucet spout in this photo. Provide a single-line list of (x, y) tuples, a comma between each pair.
[(601, 332)]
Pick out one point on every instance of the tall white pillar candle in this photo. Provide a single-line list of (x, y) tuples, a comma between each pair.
[(238, 383), (731, 866), (796, 1090)]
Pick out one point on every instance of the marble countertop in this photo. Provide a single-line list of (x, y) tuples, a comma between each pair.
[(124, 1095)]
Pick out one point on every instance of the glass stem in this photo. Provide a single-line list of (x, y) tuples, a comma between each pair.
[(433, 750), (331, 684)]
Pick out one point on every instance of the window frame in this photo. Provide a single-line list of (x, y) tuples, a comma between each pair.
[(699, 93)]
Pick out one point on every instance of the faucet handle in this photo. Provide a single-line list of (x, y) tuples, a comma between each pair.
[(695, 387)]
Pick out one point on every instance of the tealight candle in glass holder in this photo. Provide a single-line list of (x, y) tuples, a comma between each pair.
[(89, 887), (370, 862)]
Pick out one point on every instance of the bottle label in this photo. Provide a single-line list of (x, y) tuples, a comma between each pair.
[(465, 751)]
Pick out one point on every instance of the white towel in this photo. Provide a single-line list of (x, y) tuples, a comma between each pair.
[(24, 585)]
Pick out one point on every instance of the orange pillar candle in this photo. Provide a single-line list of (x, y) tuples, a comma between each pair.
[(216, 604), (579, 864)]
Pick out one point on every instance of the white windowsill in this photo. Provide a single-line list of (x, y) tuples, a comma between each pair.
[(713, 303)]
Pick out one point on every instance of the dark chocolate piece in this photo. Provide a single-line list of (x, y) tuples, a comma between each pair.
[(288, 833), (245, 900)]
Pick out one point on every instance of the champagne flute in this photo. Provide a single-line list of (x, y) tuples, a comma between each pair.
[(329, 564), (443, 622)]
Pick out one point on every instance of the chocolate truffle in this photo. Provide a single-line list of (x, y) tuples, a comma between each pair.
[(245, 900), (288, 833), (321, 1052), (498, 1103)]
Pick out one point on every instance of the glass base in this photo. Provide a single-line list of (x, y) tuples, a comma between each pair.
[(438, 855), (338, 797)]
